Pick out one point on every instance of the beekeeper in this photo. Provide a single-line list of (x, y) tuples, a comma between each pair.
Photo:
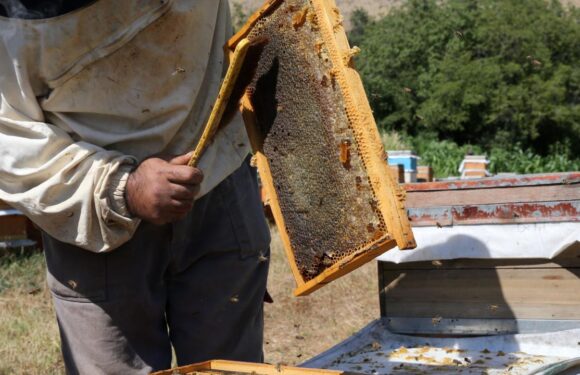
[(100, 103)]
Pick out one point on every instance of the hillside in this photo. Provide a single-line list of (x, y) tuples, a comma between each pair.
[(374, 7)]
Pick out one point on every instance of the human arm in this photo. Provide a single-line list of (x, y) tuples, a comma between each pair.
[(72, 190), (82, 194)]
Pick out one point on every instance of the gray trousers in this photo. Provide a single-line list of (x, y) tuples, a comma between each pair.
[(196, 285)]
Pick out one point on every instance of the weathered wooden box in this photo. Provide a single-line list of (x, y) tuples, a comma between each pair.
[(482, 296), (318, 150), (12, 223), (16, 230), (13, 227), (486, 295)]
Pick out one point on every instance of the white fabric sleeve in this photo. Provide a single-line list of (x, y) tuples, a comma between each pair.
[(74, 191)]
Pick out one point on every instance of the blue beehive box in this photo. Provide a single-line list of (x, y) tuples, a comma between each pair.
[(406, 158)]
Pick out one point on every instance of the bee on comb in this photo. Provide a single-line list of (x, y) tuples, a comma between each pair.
[(316, 144)]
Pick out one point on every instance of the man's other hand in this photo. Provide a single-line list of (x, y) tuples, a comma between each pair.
[(162, 190)]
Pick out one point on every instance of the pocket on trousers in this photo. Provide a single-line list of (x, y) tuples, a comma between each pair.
[(75, 274), (240, 196)]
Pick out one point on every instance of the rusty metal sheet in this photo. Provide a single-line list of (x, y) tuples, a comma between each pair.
[(431, 216), (510, 213), (497, 182)]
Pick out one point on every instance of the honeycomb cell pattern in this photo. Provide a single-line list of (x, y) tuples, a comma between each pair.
[(323, 189)]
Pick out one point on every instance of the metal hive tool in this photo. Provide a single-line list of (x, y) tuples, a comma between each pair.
[(318, 150)]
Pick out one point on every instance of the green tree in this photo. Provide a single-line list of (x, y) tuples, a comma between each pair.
[(360, 21), (239, 15), (494, 73)]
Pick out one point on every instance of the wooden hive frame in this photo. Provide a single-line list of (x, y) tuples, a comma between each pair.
[(390, 196), (219, 367)]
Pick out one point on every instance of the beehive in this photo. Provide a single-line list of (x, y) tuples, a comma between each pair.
[(317, 147)]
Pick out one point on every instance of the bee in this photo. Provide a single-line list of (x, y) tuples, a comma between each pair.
[(345, 153), (299, 18)]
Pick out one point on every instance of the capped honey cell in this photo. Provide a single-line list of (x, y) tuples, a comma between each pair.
[(312, 142), (323, 215)]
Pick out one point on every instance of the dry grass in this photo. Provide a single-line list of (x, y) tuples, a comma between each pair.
[(30, 342), (296, 328), (299, 328)]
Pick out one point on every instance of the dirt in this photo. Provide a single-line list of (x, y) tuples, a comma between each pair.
[(322, 319)]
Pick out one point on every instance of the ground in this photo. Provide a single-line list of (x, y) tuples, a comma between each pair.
[(296, 328)]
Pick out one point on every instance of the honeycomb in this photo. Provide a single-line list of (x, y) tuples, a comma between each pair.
[(323, 189)]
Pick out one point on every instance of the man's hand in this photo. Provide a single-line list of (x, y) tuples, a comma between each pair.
[(162, 190)]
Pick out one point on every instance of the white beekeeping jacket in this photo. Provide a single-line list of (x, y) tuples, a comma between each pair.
[(86, 95)]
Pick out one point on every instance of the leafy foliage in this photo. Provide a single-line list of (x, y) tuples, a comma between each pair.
[(360, 20), (515, 159), (500, 74), (239, 15), (445, 156)]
